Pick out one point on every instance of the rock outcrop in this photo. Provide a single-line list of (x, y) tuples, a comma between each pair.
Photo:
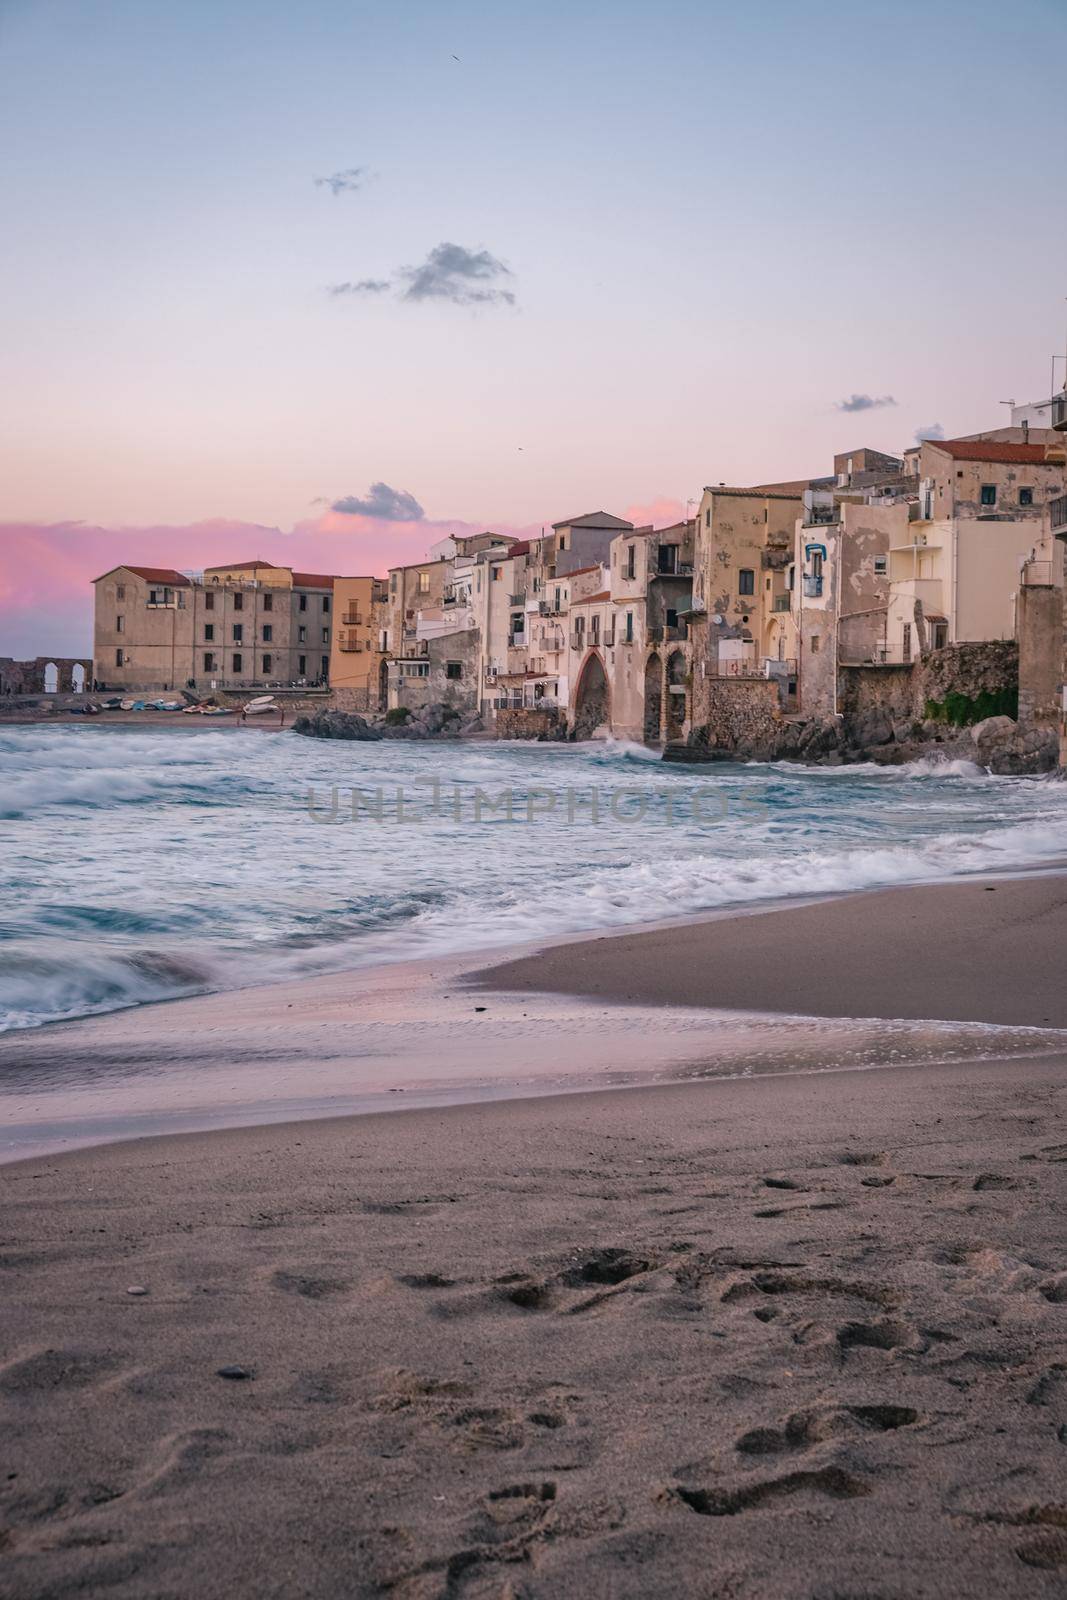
[(1013, 751), (337, 725)]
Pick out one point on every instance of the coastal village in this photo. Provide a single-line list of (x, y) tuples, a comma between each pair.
[(877, 607)]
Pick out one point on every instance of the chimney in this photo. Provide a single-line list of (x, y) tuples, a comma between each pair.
[(1026, 432)]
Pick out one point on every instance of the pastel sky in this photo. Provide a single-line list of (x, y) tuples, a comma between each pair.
[(259, 257)]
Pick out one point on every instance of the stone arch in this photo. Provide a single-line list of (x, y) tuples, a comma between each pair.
[(51, 678), (77, 678), (653, 699), (592, 698), (677, 695)]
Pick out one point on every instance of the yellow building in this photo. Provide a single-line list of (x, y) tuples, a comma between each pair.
[(358, 655)]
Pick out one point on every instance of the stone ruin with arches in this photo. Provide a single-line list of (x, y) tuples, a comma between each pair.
[(45, 675)]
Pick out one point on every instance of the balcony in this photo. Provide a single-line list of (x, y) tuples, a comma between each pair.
[(1058, 516), (352, 619), (516, 599), (782, 602), (754, 667), (1037, 574), (350, 643), (813, 588), (667, 635), (1059, 412)]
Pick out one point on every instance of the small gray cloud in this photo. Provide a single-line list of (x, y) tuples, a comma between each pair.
[(932, 430), (346, 182), (364, 286), (388, 505), (865, 402), (465, 277), (450, 272)]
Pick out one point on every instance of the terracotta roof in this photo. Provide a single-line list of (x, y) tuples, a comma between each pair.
[(519, 547), (152, 574), (990, 450), (312, 580), (243, 566), (576, 573), (594, 519), (588, 599)]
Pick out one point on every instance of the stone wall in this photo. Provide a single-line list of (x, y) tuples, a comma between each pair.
[(888, 689), (1041, 654), (524, 722), (742, 714), (989, 667)]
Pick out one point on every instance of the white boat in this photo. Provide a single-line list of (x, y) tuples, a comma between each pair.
[(262, 702)]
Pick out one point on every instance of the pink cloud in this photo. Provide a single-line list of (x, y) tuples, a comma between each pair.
[(46, 571), (661, 513)]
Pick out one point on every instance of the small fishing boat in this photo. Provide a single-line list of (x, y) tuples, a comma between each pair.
[(261, 703)]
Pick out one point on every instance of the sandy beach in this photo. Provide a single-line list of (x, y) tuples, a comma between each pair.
[(788, 1337)]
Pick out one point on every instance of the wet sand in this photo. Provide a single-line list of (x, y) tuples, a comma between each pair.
[(779, 1338), (984, 949)]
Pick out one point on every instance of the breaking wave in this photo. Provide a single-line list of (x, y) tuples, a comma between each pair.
[(142, 866)]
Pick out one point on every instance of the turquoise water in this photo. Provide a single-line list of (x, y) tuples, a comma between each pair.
[(141, 865)]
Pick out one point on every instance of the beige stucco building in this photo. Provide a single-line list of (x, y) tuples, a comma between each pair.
[(245, 625)]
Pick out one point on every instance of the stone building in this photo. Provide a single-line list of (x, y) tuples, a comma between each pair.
[(649, 668), (250, 624)]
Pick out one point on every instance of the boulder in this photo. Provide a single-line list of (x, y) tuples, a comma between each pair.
[(336, 725), (1009, 750)]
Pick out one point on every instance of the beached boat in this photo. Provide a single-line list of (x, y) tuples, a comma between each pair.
[(261, 703)]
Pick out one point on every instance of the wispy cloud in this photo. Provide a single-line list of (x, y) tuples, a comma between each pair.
[(346, 182), (931, 430), (364, 286), (388, 505), (865, 402), (450, 272)]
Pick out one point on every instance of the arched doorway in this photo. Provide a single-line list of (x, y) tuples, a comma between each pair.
[(676, 695), (653, 699), (592, 700), (77, 678), (51, 678), (383, 685)]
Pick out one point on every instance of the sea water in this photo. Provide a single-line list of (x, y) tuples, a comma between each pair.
[(140, 865)]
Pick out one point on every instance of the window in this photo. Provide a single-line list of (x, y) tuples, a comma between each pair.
[(816, 563), (1026, 497), (940, 635), (672, 618), (594, 628), (120, 591), (120, 624), (120, 660), (209, 633), (209, 602), (453, 669), (325, 635), (668, 558), (881, 566), (237, 664), (302, 603), (238, 602), (424, 583), (496, 573), (209, 661), (629, 634), (392, 583), (707, 518), (563, 541), (268, 632), (325, 604), (238, 632), (301, 635), (268, 663), (268, 602), (906, 652), (631, 561), (302, 666), (746, 581), (989, 494), (325, 660)]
